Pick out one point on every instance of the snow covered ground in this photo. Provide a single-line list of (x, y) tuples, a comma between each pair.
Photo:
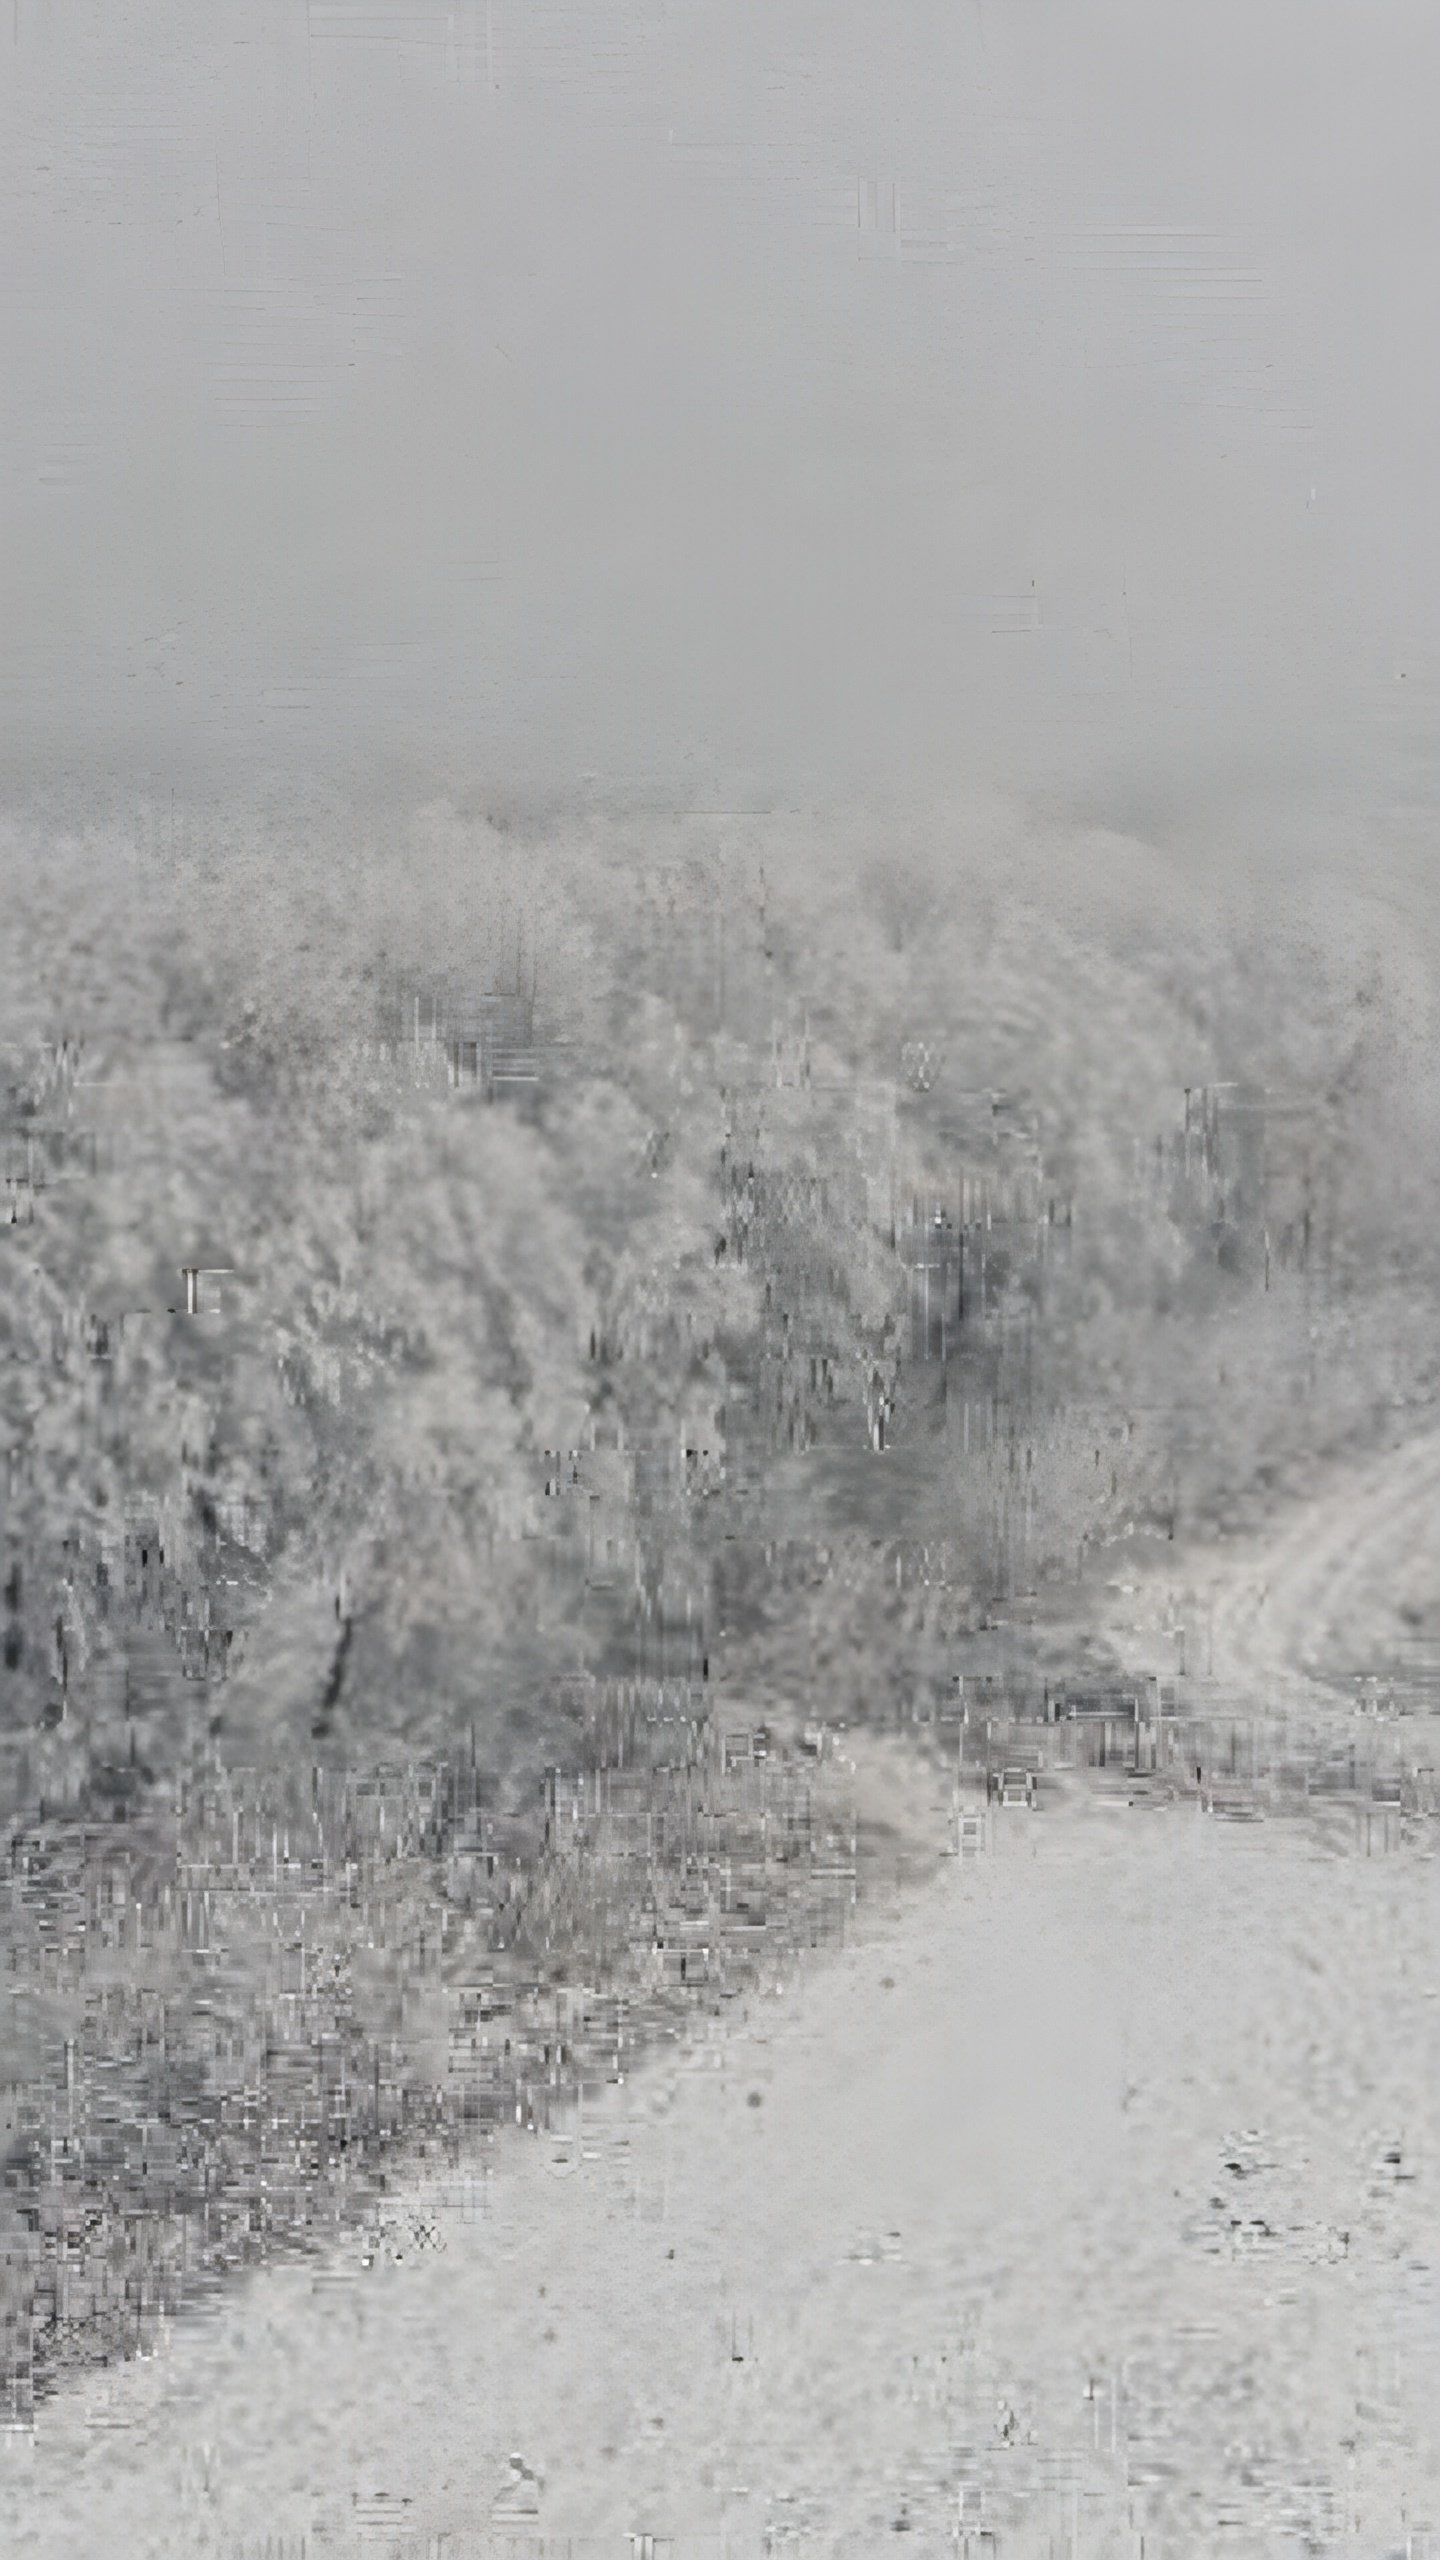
[(1086, 2198)]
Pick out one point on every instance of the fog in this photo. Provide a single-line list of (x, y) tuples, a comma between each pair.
[(717, 742), (729, 407)]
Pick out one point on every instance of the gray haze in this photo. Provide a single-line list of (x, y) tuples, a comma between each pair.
[(728, 404)]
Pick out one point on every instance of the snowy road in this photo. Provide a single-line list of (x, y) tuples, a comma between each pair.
[(1087, 2197)]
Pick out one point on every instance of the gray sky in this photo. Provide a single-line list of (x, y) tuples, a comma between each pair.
[(727, 402)]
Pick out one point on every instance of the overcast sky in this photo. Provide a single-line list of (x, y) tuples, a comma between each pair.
[(726, 401)]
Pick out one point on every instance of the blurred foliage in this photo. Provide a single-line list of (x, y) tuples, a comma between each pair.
[(455, 1275), (551, 1195)]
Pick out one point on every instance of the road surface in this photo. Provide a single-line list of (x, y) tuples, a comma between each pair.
[(1086, 2198)]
